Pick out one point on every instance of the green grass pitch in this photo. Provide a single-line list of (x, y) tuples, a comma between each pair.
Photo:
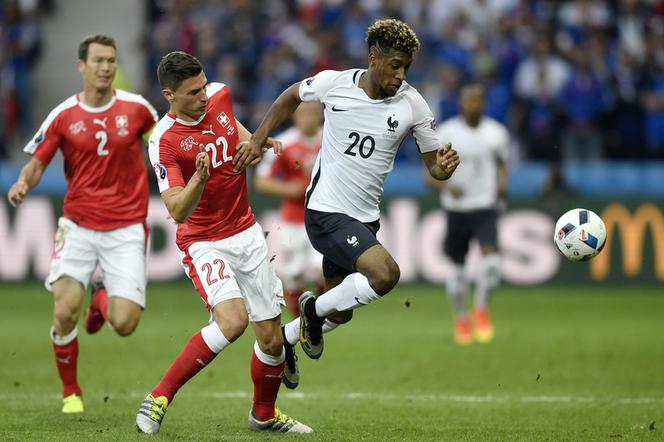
[(568, 363)]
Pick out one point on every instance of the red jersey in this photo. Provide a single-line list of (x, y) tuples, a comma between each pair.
[(294, 164), (223, 209), (106, 176)]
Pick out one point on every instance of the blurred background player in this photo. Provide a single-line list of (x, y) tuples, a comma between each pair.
[(287, 176), (99, 132), (471, 198), (367, 115), (200, 169)]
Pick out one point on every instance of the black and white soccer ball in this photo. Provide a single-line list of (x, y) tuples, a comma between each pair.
[(580, 234)]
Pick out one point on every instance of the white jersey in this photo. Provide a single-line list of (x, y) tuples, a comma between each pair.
[(361, 137), (480, 148)]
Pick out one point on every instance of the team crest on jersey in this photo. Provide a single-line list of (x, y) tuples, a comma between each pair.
[(160, 171), (77, 128), (188, 143), (223, 119), (122, 124), (392, 123)]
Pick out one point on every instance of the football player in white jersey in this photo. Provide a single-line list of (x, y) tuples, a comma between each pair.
[(470, 199), (368, 112)]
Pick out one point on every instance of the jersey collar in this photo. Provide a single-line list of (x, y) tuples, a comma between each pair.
[(97, 110), (188, 123)]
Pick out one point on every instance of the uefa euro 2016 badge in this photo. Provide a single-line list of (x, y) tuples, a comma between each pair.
[(160, 171)]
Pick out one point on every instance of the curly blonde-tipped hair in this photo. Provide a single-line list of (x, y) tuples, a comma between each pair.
[(391, 33)]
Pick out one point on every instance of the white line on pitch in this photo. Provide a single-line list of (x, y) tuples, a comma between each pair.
[(380, 397)]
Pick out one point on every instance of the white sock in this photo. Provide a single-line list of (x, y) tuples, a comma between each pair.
[(292, 330), (269, 359), (353, 292), (487, 279), (457, 290), (63, 340), (214, 338), (328, 326)]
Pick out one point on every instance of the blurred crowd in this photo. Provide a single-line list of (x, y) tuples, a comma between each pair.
[(20, 45), (573, 80)]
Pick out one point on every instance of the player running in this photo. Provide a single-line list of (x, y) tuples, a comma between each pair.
[(193, 150), (99, 132), (470, 199), (367, 115)]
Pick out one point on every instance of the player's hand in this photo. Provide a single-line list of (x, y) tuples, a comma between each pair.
[(271, 143), (247, 153), (447, 159), (202, 165), (17, 193), (276, 146)]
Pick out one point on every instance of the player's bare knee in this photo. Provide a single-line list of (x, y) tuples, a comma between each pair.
[(124, 326), (385, 277), (271, 344), (65, 318), (232, 328), (341, 317)]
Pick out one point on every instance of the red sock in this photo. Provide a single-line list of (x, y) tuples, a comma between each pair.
[(292, 298), (65, 359), (267, 379), (100, 301), (192, 359)]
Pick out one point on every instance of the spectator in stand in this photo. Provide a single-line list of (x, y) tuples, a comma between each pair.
[(582, 104)]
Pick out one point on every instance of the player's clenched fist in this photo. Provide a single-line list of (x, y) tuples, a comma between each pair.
[(203, 165), (447, 159), (17, 193)]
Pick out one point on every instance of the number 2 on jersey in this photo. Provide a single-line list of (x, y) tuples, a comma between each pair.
[(210, 147), (365, 151), (103, 139)]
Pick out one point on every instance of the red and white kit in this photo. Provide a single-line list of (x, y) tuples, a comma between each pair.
[(223, 247), (296, 261), (107, 190)]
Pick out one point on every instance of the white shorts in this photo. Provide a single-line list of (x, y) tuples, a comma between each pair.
[(296, 261), (120, 253), (236, 267)]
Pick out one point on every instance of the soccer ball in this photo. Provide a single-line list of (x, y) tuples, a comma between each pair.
[(580, 235)]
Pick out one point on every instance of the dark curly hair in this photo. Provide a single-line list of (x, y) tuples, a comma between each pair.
[(393, 34)]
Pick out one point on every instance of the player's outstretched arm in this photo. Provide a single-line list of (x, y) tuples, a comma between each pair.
[(281, 110), (279, 187), (29, 177), (181, 201), (442, 162)]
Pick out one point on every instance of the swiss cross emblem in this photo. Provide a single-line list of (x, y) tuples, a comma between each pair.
[(223, 119), (122, 123)]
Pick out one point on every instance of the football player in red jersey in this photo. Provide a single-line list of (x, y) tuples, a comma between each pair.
[(198, 151), (99, 132), (287, 176)]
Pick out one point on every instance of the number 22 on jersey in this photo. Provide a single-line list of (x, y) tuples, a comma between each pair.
[(212, 148)]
